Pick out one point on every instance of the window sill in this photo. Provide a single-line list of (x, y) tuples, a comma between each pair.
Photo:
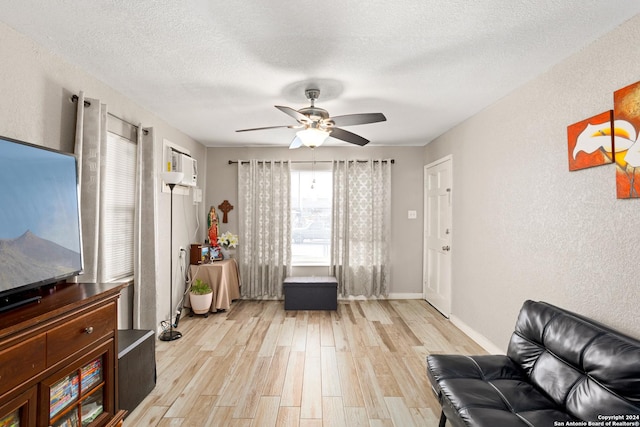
[(309, 265)]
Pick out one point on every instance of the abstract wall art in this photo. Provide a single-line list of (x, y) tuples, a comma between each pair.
[(611, 137), (626, 110), (591, 141)]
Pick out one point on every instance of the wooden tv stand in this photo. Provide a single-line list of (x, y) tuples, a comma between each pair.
[(58, 358)]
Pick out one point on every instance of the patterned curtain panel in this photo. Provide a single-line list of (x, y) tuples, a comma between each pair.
[(361, 227), (264, 201)]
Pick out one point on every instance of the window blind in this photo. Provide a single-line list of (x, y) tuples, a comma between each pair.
[(118, 205)]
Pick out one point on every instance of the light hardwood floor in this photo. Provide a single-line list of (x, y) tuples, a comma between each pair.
[(259, 365)]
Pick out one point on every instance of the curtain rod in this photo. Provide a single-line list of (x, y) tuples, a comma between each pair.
[(231, 162), (74, 99)]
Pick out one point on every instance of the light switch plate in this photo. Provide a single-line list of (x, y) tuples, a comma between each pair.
[(412, 215), (197, 195)]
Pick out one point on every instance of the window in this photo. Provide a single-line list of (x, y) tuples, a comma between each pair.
[(118, 208), (311, 193)]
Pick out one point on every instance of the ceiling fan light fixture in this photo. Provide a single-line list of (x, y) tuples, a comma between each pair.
[(313, 137), (319, 125)]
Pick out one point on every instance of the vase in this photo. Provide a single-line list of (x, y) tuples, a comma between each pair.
[(226, 254)]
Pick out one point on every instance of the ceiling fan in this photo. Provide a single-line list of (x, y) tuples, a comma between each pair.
[(316, 125)]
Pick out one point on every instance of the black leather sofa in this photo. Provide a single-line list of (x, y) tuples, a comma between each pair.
[(561, 369)]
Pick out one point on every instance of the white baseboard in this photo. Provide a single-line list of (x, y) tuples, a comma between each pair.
[(476, 336), (406, 296), (390, 296)]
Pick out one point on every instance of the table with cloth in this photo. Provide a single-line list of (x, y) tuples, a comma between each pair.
[(223, 278)]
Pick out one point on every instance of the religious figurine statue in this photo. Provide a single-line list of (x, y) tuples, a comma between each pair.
[(213, 227)]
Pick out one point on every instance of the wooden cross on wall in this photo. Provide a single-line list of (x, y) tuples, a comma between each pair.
[(225, 207)]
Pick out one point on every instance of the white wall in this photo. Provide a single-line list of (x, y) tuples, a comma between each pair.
[(36, 87), (524, 227), (406, 183)]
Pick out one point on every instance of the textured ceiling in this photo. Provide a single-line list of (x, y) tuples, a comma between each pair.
[(211, 67)]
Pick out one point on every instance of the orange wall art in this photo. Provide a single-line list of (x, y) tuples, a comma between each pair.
[(626, 110), (591, 141), (611, 137)]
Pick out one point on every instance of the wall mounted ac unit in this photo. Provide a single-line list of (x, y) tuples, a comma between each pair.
[(181, 162)]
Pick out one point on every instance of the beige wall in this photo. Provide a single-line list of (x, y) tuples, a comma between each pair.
[(524, 227), (36, 87), (406, 183)]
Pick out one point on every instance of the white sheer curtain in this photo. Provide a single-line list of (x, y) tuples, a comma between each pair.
[(264, 201), (91, 137), (361, 225)]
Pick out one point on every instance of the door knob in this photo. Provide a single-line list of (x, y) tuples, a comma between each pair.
[(446, 248)]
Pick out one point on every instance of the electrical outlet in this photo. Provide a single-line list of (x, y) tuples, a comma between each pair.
[(412, 215), (182, 251)]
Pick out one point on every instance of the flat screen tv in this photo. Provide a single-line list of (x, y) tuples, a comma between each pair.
[(40, 236)]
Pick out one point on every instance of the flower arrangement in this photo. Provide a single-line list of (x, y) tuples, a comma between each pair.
[(228, 240)]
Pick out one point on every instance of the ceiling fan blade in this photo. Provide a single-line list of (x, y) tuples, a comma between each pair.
[(347, 136), (293, 113), (267, 127), (295, 143), (358, 119)]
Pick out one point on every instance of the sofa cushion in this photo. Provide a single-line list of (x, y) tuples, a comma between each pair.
[(489, 391)]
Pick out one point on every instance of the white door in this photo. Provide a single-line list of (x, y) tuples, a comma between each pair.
[(437, 234)]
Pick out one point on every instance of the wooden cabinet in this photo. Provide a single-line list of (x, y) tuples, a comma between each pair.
[(58, 359), (20, 410)]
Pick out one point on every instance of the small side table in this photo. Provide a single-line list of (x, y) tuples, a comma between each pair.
[(224, 279)]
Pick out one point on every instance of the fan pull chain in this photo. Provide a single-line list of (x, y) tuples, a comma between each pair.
[(313, 168)]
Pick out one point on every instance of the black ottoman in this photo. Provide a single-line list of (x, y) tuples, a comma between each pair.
[(310, 293)]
